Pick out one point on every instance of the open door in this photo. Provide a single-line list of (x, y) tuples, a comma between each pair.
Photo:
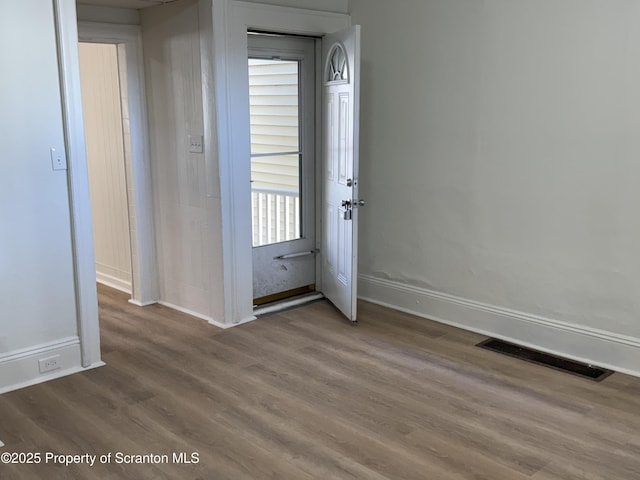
[(340, 149)]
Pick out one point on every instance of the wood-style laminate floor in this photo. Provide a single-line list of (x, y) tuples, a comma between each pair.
[(305, 395)]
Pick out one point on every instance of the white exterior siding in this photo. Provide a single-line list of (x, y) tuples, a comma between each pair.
[(275, 143), (273, 95)]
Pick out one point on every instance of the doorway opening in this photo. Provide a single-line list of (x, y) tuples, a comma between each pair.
[(282, 98), (108, 149), (127, 42)]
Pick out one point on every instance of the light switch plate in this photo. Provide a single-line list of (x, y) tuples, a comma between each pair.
[(195, 143), (58, 159)]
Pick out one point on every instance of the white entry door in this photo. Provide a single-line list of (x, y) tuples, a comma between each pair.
[(340, 146)]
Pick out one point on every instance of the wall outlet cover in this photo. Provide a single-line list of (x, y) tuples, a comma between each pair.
[(49, 364)]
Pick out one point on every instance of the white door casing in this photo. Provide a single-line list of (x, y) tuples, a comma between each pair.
[(129, 44), (340, 142), (80, 206), (230, 21)]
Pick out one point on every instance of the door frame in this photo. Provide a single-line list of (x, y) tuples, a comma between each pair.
[(127, 39), (79, 200), (293, 275), (231, 20)]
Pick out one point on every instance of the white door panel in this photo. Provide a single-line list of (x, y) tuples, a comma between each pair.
[(341, 91)]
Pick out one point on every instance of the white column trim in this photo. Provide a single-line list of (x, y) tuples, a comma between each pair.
[(80, 204)]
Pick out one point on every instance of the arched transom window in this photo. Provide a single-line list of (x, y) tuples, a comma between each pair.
[(337, 69)]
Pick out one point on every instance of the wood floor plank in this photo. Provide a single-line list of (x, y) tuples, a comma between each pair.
[(344, 438), (314, 458), (456, 388), (304, 394), (422, 411)]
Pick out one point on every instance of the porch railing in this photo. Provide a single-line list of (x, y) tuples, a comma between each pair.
[(276, 215)]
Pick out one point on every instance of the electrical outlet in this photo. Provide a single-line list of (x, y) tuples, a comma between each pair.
[(58, 160), (50, 363)]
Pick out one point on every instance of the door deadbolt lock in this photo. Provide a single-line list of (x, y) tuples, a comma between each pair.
[(348, 211), (353, 203), (349, 205)]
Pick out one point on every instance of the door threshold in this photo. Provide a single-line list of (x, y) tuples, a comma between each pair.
[(296, 292), (286, 304)]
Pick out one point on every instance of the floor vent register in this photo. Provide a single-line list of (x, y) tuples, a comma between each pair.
[(583, 370)]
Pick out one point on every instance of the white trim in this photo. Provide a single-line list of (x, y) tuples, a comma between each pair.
[(19, 368), (113, 282), (80, 204), (231, 19), (210, 320), (319, 169), (586, 344), (213, 175), (142, 231), (42, 349), (52, 376), (234, 293), (140, 304)]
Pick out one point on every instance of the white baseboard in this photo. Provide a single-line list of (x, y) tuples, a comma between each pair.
[(20, 368), (195, 314), (598, 347), (141, 304), (113, 282)]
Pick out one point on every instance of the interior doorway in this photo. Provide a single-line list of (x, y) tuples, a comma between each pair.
[(127, 41), (106, 136), (282, 97)]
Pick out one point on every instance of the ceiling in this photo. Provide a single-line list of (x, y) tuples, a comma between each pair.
[(124, 3)]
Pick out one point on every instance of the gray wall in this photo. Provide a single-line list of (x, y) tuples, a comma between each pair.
[(37, 291), (500, 154)]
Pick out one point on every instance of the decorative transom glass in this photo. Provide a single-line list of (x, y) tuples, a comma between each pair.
[(337, 65)]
